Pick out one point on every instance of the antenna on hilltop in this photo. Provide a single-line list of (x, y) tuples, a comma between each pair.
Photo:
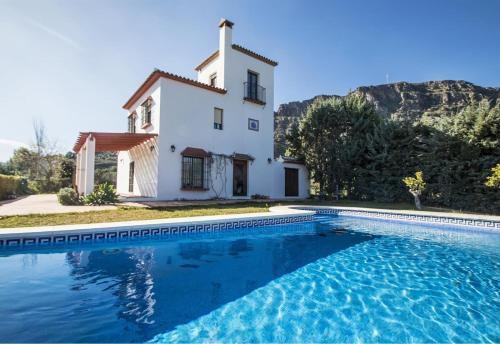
[(386, 78)]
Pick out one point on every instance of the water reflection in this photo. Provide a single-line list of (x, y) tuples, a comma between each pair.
[(160, 286), (124, 272), (129, 292)]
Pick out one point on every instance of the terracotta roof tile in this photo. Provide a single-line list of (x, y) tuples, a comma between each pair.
[(240, 49), (157, 74), (207, 61), (195, 152), (254, 55)]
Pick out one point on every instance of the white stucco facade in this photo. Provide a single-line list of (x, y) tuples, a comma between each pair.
[(182, 116)]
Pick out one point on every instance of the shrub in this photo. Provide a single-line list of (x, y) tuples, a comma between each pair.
[(11, 186), (257, 196), (493, 181), (68, 196), (103, 194)]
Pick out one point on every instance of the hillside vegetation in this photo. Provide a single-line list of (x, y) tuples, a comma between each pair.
[(400, 101)]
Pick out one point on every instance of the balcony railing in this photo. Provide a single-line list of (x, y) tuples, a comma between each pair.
[(254, 93)]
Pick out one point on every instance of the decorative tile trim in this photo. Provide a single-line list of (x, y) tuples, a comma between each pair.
[(476, 223), (146, 232)]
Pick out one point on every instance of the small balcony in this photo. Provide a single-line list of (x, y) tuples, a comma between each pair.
[(254, 93)]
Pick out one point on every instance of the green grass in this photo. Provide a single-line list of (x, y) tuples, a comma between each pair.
[(377, 205), (136, 213), (129, 214)]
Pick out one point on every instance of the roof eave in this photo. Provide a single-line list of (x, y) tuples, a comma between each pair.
[(157, 74)]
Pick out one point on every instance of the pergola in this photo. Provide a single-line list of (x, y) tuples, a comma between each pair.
[(88, 143)]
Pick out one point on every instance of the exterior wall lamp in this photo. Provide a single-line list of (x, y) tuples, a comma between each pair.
[(172, 148), (269, 160)]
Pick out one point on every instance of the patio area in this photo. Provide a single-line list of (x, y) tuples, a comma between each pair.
[(48, 204), (43, 204)]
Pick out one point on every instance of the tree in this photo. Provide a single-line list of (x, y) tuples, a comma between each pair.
[(334, 138), (416, 185), (40, 163), (6, 168), (350, 150)]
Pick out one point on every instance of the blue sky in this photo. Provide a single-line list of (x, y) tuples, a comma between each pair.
[(72, 64)]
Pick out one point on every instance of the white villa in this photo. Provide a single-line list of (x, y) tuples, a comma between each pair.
[(199, 139)]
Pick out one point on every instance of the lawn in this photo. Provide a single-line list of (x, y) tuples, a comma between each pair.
[(130, 214), (378, 205), (137, 213)]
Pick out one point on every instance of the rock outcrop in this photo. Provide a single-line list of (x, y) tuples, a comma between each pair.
[(398, 101)]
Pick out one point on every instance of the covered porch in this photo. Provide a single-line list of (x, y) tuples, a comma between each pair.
[(90, 143)]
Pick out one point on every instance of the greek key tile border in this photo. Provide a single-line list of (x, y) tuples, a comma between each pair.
[(426, 219), (147, 232)]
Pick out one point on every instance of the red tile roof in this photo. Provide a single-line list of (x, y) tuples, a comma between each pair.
[(157, 74), (207, 61), (195, 152), (254, 55), (241, 156), (240, 49)]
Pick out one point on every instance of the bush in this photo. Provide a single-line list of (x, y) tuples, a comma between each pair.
[(257, 196), (41, 186), (493, 181), (11, 186), (68, 196), (103, 194)]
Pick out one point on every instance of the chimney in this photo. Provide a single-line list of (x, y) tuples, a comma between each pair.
[(225, 47), (225, 33)]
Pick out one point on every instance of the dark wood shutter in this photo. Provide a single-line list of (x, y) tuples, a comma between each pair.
[(291, 182), (131, 172)]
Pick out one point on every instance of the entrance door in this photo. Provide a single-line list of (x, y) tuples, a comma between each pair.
[(131, 177), (291, 182), (240, 174)]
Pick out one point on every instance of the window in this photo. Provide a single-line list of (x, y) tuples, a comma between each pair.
[(131, 122), (252, 84), (213, 80), (146, 112), (218, 117), (253, 124), (195, 172), (131, 171)]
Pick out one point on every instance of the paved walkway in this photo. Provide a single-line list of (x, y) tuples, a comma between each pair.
[(43, 204)]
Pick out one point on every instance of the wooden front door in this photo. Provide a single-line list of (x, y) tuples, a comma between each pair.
[(291, 182), (240, 177)]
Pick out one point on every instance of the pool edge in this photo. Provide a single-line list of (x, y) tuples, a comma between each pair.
[(82, 233)]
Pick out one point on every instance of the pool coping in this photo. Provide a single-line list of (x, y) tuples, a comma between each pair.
[(22, 236), (473, 221)]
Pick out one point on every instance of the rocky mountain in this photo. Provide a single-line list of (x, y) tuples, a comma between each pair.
[(398, 101)]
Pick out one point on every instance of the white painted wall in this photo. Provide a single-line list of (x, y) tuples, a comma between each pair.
[(279, 180), (183, 116), (187, 123), (145, 155), (85, 167)]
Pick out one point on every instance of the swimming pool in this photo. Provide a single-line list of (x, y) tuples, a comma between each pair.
[(337, 279)]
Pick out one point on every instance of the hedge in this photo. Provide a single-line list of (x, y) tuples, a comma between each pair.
[(11, 185)]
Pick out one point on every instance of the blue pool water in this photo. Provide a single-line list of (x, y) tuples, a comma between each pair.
[(337, 279)]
